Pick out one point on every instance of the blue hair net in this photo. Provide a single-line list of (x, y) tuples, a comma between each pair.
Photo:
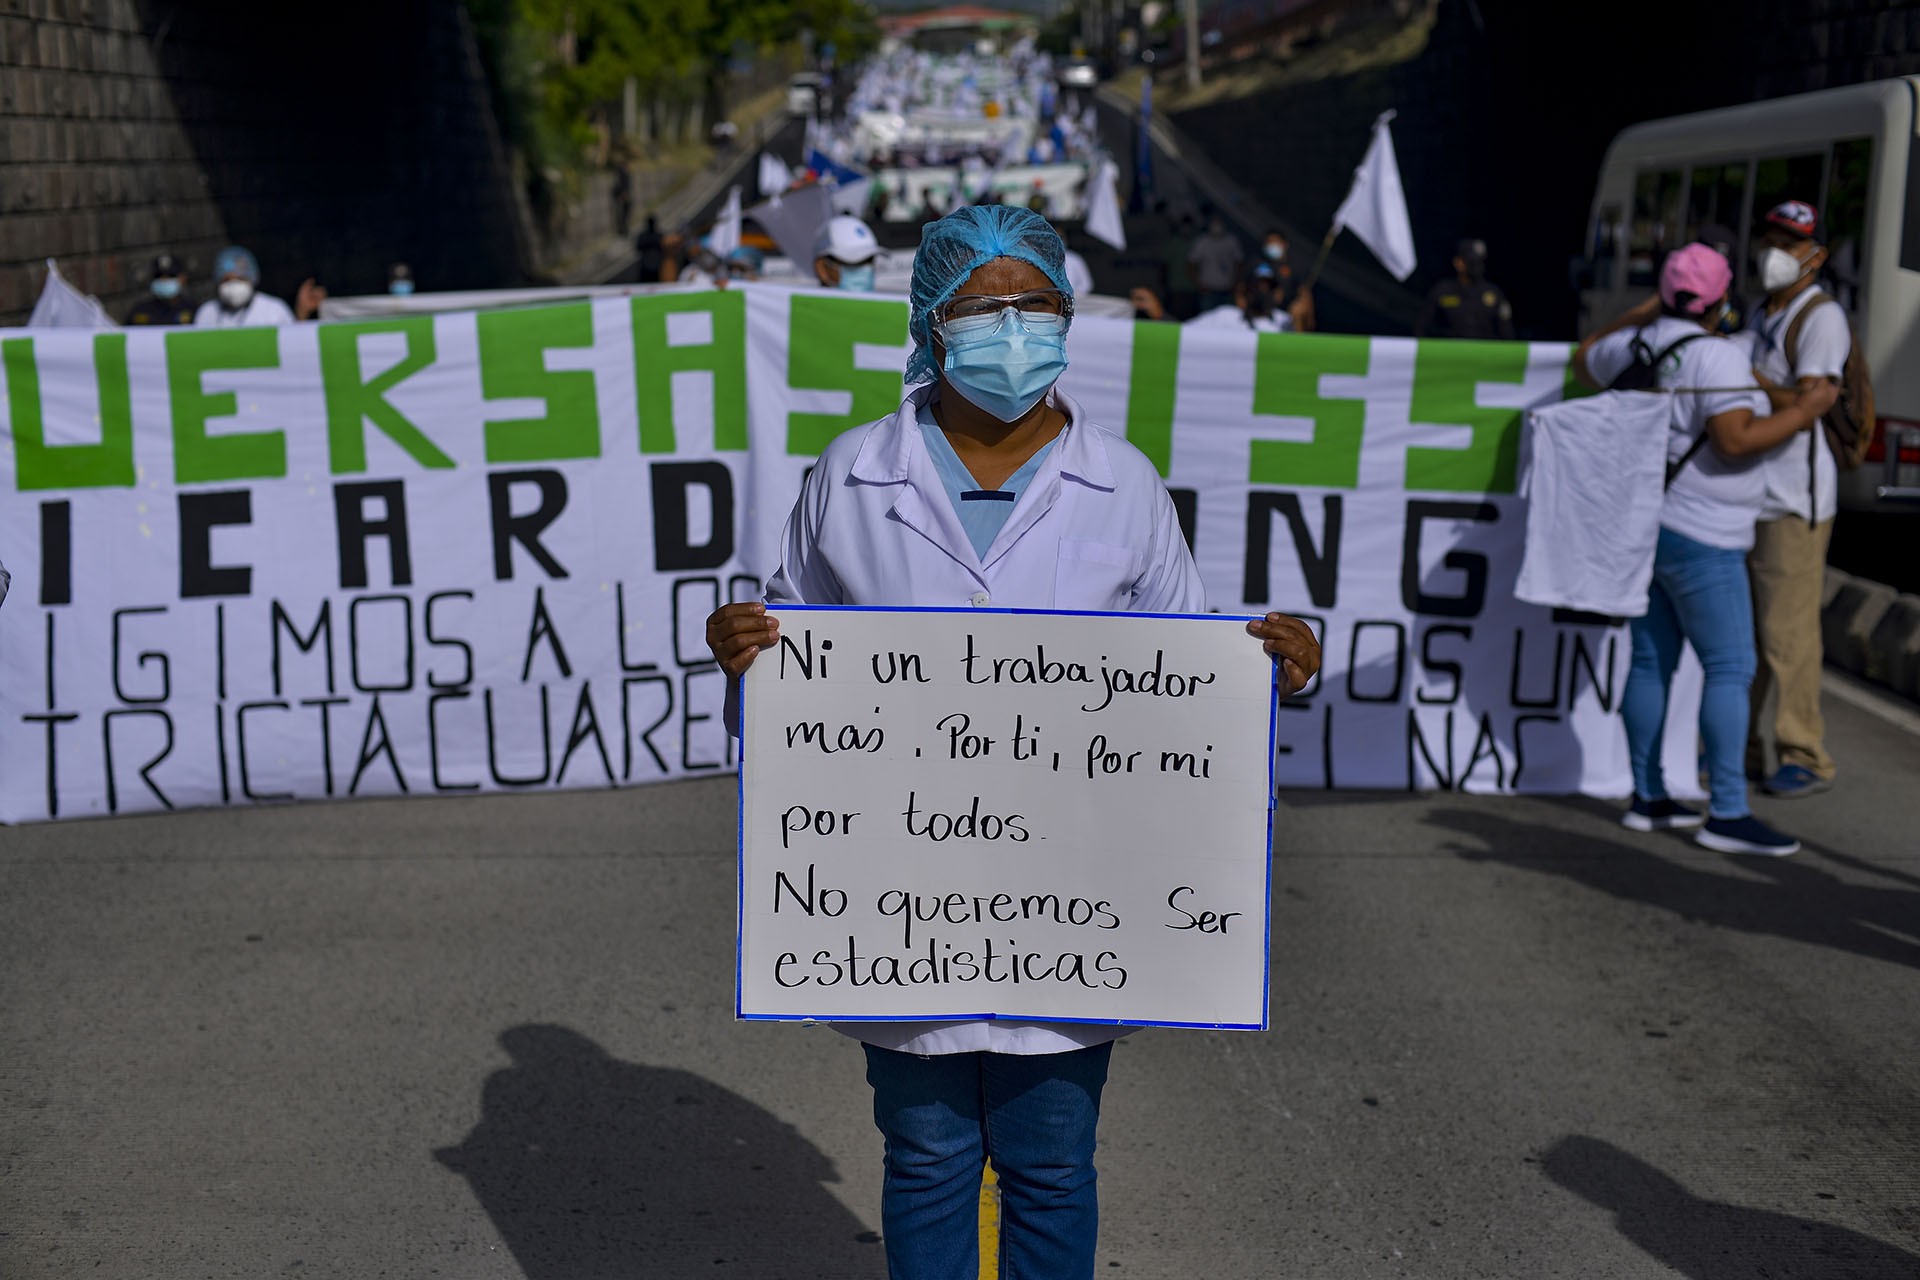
[(235, 260), (960, 244)]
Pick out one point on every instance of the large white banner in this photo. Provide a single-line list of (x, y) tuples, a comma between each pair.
[(1108, 781), (472, 552)]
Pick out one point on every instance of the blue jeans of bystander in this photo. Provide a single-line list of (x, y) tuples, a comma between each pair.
[(1701, 596), (944, 1115)]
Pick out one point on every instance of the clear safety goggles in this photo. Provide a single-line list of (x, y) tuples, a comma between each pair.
[(1039, 311)]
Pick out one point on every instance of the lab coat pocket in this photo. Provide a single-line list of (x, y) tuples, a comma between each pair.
[(1094, 575)]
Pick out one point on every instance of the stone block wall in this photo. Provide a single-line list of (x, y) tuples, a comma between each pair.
[(329, 139)]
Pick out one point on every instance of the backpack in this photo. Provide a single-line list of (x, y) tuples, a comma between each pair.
[(1644, 375), (1849, 424)]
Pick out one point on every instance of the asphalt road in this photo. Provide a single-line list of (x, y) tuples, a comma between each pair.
[(493, 1037)]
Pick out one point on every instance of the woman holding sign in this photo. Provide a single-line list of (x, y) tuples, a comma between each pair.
[(988, 488)]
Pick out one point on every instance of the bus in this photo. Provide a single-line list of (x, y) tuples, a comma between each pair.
[(1855, 153)]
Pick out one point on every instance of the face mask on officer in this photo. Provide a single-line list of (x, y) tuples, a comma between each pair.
[(167, 287)]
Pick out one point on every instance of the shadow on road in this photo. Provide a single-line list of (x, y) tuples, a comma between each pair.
[(1798, 899), (593, 1168), (1707, 1240)]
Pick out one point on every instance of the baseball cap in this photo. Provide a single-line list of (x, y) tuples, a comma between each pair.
[(1697, 270), (1797, 216), (1471, 250), (845, 239), (165, 265)]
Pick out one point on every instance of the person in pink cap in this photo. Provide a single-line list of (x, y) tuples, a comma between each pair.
[(1720, 428)]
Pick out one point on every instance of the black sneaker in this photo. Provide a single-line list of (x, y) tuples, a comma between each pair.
[(1660, 815), (1745, 835)]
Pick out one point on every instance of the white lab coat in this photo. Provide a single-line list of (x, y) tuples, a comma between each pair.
[(1094, 529)]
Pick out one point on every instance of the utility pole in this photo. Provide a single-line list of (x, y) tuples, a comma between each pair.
[(1193, 44)]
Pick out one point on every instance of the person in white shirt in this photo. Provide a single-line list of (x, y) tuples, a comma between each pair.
[(237, 299), (1265, 302), (1788, 561), (884, 520), (1720, 430)]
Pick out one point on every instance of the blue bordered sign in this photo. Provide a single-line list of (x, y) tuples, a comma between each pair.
[(1022, 814)]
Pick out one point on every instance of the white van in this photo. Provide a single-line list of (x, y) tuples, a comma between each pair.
[(1855, 153), (803, 94)]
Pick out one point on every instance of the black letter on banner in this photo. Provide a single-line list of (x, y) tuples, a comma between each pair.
[(240, 734), (1415, 738), (200, 513), (353, 642), (493, 739), (146, 770), (688, 719), (326, 734), (1582, 657), (461, 645), (166, 670), (526, 530), (355, 530), (673, 550), (1472, 563), (1186, 509), (541, 624), (321, 624), (369, 752), (1519, 660), (702, 656), (1399, 661), (586, 724), (646, 735), (56, 553), (1432, 663), (620, 629), (53, 720), (1320, 568)]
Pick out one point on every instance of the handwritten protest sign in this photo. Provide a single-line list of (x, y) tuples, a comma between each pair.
[(984, 813)]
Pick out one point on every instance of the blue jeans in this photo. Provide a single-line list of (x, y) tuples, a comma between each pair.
[(1700, 595), (944, 1115)]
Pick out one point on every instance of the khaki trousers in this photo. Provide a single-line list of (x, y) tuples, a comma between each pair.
[(1786, 565)]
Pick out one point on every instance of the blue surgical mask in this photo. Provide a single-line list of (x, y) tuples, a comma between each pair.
[(1007, 361), (857, 279), (400, 288), (166, 287)]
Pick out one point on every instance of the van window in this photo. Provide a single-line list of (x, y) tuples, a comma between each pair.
[(1846, 215), (1655, 224), (1714, 197), (1779, 178)]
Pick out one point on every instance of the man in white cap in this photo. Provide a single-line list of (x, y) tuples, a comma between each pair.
[(843, 254)]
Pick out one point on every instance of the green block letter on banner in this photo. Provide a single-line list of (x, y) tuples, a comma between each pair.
[(352, 401), (822, 332), (1445, 375), (1286, 383), (513, 363), (677, 332), (242, 455), (1151, 383), (40, 465)]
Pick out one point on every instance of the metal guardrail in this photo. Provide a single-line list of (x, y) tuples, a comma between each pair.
[(1898, 440)]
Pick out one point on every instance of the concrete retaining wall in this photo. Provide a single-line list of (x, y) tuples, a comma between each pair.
[(1872, 631)]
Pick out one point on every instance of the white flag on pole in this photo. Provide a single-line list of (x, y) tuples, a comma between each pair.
[(61, 306), (1376, 208), (726, 228), (1103, 205), (774, 176)]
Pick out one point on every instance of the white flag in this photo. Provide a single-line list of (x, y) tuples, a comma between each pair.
[(61, 306), (1376, 208), (1103, 205), (726, 228), (774, 177)]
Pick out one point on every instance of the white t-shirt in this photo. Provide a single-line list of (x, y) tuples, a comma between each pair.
[(1714, 499), (1823, 346), (1232, 317), (263, 308)]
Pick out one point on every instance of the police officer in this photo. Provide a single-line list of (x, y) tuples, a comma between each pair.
[(1469, 305), (168, 302)]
